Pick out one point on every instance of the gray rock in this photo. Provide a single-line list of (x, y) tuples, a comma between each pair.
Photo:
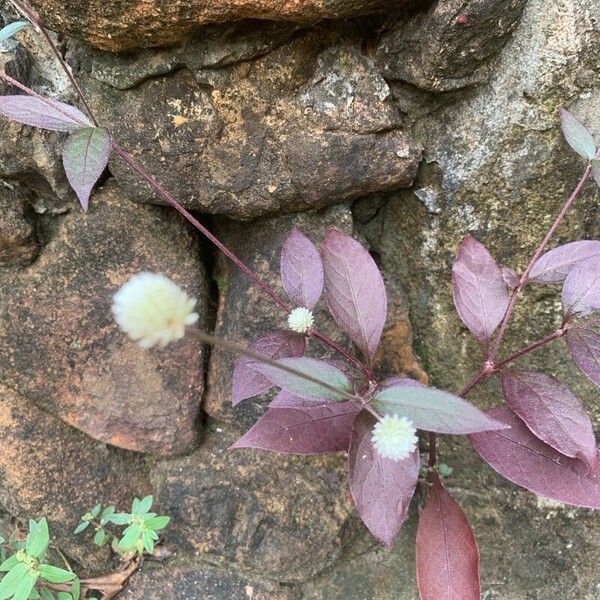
[(451, 45), (309, 124), (18, 243)]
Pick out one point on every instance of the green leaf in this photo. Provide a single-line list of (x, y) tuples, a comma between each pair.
[(148, 542), (157, 523), (141, 507), (81, 527), (38, 538), (1, 540), (9, 563), (121, 518), (47, 594), (96, 510), (106, 514), (55, 574), (596, 170), (130, 537), (11, 580), (25, 586), (9, 30), (297, 384), (100, 537), (34, 595), (76, 589), (64, 596), (577, 135)]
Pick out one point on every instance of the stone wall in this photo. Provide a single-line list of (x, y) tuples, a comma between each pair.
[(407, 123)]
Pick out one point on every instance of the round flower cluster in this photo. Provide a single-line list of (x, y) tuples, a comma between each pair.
[(300, 320), (394, 437), (151, 309)]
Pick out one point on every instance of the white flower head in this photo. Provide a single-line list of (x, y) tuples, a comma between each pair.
[(151, 309), (300, 320), (394, 437)]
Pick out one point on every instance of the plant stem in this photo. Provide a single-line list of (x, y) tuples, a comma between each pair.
[(495, 346), (205, 338)]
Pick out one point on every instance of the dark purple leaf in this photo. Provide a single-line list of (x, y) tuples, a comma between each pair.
[(522, 458), (85, 156), (552, 412), (577, 135), (510, 277), (247, 382), (354, 290), (297, 384), (302, 430), (581, 291), (433, 410), (54, 115), (447, 553), (554, 266), (584, 346), (381, 488), (301, 270), (480, 292), (286, 399)]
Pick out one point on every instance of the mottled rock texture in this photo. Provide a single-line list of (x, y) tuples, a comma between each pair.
[(251, 121), (126, 24), (310, 124), (59, 343)]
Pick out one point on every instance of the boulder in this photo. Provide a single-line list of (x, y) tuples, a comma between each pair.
[(61, 347), (310, 124), (125, 24)]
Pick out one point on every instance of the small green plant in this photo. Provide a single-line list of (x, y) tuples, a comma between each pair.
[(28, 574), (137, 538)]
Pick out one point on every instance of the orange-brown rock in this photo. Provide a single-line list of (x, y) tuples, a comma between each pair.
[(118, 25), (61, 348)]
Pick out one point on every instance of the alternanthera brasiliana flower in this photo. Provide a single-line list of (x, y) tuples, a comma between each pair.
[(152, 309), (394, 437)]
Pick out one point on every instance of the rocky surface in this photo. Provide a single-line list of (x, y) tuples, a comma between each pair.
[(249, 121), (48, 468), (126, 24), (309, 124), (59, 343)]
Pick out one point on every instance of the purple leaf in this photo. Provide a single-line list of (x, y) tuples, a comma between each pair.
[(433, 410), (577, 135), (301, 270), (247, 382), (480, 292), (286, 399), (85, 156), (354, 290), (522, 458), (554, 266), (447, 553), (510, 277), (297, 384), (584, 346), (552, 412), (302, 430), (53, 115), (381, 488), (581, 291)]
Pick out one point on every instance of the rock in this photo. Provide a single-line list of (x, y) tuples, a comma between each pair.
[(60, 345), (281, 517), (307, 125), (126, 25), (18, 244), (245, 312), (449, 46), (50, 469), (191, 582)]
